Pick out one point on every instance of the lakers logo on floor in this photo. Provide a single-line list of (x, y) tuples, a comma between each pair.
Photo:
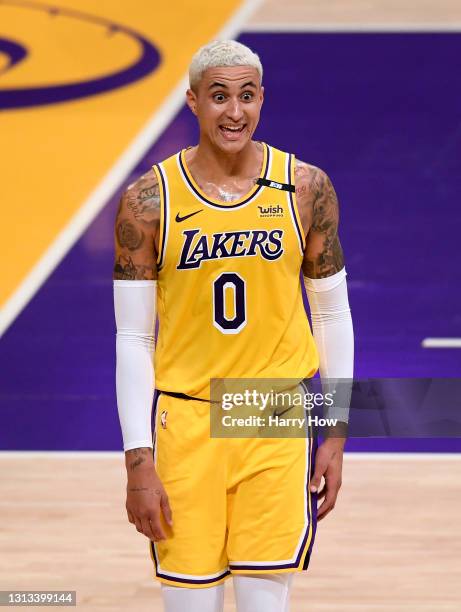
[(119, 55)]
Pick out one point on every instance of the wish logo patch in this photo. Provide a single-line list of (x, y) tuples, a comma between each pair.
[(274, 210)]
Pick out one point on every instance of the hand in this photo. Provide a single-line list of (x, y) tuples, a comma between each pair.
[(146, 498), (329, 464)]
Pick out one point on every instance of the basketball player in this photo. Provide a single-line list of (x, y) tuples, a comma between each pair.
[(234, 217)]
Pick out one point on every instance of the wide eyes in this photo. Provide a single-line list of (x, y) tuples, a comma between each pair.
[(246, 96)]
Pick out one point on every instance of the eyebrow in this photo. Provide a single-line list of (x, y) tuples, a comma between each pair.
[(249, 84), (218, 84)]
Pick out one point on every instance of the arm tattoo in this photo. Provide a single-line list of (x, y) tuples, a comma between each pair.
[(324, 255), (139, 489), (136, 226), (136, 457), (145, 202), (128, 235), (125, 269), (325, 221)]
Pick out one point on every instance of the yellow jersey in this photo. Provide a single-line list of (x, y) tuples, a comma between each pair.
[(229, 298)]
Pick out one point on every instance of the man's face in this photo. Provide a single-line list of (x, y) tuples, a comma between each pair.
[(227, 103)]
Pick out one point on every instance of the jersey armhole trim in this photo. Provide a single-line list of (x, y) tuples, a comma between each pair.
[(290, 178), (163, 192)]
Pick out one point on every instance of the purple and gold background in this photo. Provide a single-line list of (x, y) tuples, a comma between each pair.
[(381, 114)]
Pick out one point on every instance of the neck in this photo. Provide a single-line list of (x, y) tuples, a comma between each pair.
[(210, 161)]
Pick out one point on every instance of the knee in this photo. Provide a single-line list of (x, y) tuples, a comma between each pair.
[(206, 599), (262, 592)]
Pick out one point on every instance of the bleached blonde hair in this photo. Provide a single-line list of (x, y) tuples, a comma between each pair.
[(222, 53)]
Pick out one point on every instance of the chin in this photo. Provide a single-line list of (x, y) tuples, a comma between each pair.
[(234, 146)]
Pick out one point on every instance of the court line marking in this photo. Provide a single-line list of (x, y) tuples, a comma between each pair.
[(120, 455), (111, 181), (441, 343), (399, 456), (54, 503), (62, 454), (353, 27)]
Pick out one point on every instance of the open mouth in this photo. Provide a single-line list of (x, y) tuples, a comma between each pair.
[(228, 129)]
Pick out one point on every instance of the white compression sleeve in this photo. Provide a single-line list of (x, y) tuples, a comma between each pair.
[(179, 599), (263, 593), (334, 337), (135, 307), (332, 324)]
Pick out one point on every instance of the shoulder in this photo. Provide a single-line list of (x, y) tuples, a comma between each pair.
[(143, 188), (316, 198), (141, 200), (143, 182), (310, 181), (315, 190)]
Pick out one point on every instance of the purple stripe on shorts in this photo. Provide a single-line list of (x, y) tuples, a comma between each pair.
[(184, 580)]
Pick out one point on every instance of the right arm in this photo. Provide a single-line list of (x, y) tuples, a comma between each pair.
[(135, 273), (137, 227)]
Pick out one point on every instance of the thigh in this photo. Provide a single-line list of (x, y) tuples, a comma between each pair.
[(191, 468), (273, 515)]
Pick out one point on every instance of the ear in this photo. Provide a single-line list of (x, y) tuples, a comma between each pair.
[(191, 100), (261, 95)]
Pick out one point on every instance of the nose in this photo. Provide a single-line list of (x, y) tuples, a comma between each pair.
[(234, 109)]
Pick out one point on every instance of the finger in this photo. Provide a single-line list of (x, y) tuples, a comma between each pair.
[(130, 516), (325, 508), (322, 491), (320, 469), (165, 505), (156, 526), (147, 529), (329, 502), (137, 522)]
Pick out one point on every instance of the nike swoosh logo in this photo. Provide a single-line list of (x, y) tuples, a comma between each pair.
[(179, 219), (279, 414)]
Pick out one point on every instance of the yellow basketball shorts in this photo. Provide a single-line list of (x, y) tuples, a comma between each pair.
[(239, 505)]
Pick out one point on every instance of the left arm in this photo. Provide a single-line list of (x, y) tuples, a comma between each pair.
[(325, 282), (319, 210)]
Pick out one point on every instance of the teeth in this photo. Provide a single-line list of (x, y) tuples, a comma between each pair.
[(232, 128)]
